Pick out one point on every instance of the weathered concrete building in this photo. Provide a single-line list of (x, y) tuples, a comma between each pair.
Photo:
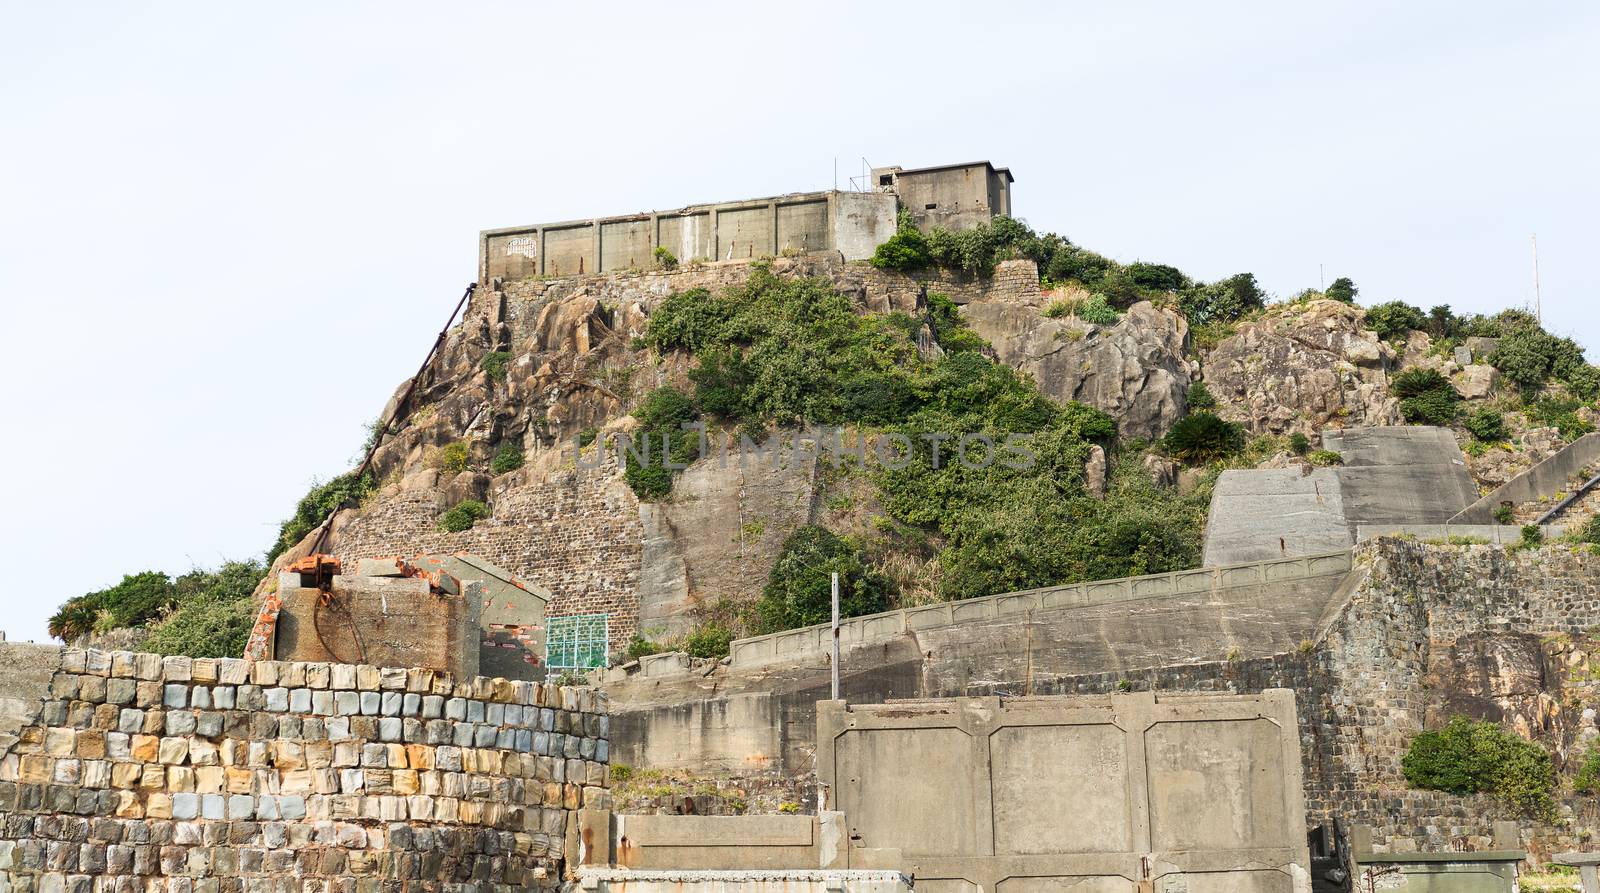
[(953, 196), (957, 196)]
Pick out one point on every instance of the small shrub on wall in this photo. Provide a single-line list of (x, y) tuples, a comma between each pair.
[(465, 514), (1467, 757)]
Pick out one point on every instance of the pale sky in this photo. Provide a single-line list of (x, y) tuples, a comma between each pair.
[(230, 231)]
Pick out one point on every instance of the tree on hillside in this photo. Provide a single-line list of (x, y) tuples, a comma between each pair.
[(1343, 289)]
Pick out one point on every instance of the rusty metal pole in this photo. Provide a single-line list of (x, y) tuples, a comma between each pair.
[(835, 661), (381, 430)]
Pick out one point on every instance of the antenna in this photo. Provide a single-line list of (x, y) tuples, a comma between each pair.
[(1538, 304)]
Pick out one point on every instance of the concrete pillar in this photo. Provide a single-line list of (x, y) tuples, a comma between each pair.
[(716, 243), (538, 239), (598, 266), (772, 208)]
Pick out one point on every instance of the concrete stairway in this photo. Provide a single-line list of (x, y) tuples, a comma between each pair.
[(25, 673)]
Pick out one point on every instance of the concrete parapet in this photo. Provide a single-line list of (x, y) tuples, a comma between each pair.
[(1499, 534), (1539, 482), (870, 628)]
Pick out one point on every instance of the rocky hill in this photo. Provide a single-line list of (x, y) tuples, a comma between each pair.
[(1134, 383)]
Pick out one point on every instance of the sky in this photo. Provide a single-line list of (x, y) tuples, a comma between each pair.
[(229, 231)]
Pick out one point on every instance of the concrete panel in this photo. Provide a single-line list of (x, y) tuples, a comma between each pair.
[(626, 245), (569, 251), (744, 233), (741, 733), (861, 222), (513, 255), (1176, 793), (718, 842), (803, 226), (687, 236), (1259, 515), (1060, 789)]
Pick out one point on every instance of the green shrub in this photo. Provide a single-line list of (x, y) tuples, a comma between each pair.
[(1561, 413), (1325, 458), (665, 259), (1531, 537), (1504, 514), (1058, 309), (451, 458), (1156, 276), (1299, 443), (1200, 397), (1224, 301), (710, 640), (1589, 532), (799, 587), (1587, 780), (1074, 264), (205, 628), (639, 646), (508, 458), (1487, 425), (1529, 356), (587, 436), (1468, 757), (465, 514), (905, 251), (494, 364), (1098, 311), (201, 613), (1427, 397), (660, 436), (1203, 437), (317, 505), (1393, 319), (1343, 289)]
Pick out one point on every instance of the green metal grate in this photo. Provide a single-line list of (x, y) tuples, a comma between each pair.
[(577, 642)]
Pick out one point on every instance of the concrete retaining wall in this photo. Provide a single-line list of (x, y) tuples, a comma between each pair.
[(799, 644), (599, 880), (852, 223), (1499, 534), (1542, 481)]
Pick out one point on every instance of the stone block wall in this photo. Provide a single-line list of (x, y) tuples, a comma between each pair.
[(576, 533), (141, 773)]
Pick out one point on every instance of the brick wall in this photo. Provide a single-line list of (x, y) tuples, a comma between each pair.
[(142, 773)]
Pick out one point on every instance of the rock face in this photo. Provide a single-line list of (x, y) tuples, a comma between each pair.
[(1134, 370), (1302, 368)]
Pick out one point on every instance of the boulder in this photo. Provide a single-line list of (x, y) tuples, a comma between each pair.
[(1301, 368), (1133, 370), (1476, 381), (1094, 471), (1163, 472)]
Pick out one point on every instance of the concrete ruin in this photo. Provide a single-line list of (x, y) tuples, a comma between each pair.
[(956, 196)]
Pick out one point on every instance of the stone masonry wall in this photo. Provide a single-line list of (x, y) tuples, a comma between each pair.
[(142, 773), (576, 533)]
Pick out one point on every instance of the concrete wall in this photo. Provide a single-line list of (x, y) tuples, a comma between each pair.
[(1200, 793), (140, 772), (1218, 582), (852, 223), (384, 621), (1553, 475), (1391, 475), (953, 197), (759, 718)]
